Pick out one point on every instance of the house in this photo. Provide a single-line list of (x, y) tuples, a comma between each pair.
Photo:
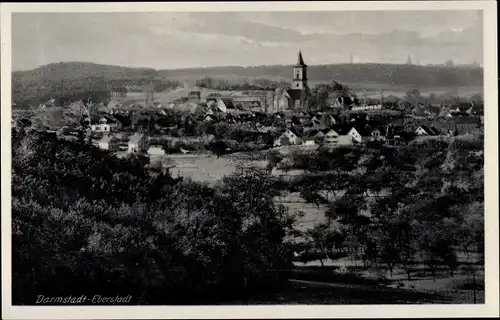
[(360, 134), (289, 137), (108, 142), (427, 131), (323, 120), (338, 136), (319, 135), (223, 104), (104, 124), (315, 135), (136, 143)]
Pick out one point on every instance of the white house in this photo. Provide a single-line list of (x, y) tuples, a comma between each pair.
[(333, 138), (136, 143), (292, 138), (108, 142), (105, 125), (360, 134), (356, 136), (225, 104)]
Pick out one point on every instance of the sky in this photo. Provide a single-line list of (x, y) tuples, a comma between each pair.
[(173, 40)]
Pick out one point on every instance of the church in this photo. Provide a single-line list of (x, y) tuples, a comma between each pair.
[(293, 97)]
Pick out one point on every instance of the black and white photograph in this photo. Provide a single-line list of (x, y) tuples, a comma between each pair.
[(249, 155)]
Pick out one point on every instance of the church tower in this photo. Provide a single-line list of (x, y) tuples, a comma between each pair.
[(299, 74)]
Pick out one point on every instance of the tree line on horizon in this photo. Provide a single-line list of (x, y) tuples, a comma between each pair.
[(52, 80)]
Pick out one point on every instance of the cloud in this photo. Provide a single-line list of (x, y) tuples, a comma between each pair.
[(176, 40)]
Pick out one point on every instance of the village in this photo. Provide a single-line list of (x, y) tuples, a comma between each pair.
[(252, 121)]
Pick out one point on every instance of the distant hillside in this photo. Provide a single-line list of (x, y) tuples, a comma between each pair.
[(72, 80), (386, 74), (77, 70), (75, 79)]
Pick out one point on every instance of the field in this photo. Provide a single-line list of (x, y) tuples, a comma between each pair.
[(210, 169), (207, 168)]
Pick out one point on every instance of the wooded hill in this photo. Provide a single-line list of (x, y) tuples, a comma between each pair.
[(76, 78)]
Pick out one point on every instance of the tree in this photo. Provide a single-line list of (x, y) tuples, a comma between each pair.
[(83, 218), (324, 238), (218, 147)]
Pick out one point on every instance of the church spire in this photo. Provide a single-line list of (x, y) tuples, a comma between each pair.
[(300, 60)]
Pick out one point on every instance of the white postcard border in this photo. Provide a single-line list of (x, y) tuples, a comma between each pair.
[(491, 306)]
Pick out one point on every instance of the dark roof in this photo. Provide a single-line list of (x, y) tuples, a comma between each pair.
[(295, 132), (25, 121), (479, 107), (364, 130), (463, 106), (211, 116), (294, 93), (296, 120), (229, 103), (300, 61), (341, 129), (431, 130), (97, 119), (324, 131)]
